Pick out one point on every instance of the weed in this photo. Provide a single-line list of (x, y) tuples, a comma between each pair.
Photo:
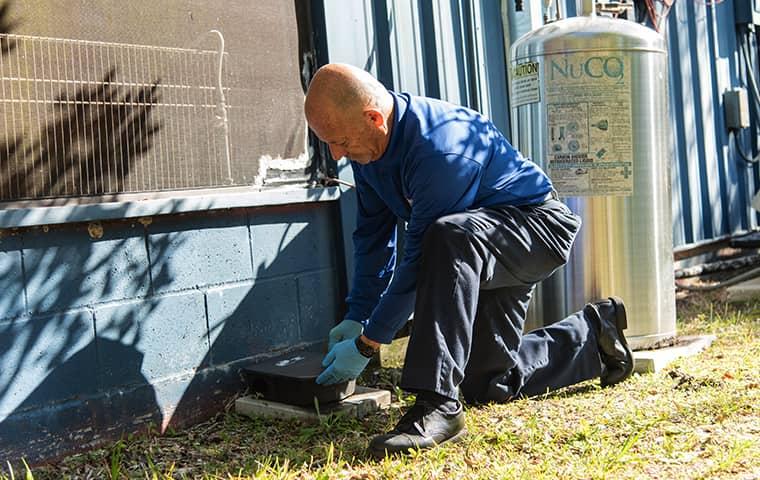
[(117, 453), (404, 399), (27, 471), (328, 426)]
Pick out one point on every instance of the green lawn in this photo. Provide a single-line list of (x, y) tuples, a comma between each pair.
[(700, 418)]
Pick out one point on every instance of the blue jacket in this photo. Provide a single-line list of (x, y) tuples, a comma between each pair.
[(441, 159)]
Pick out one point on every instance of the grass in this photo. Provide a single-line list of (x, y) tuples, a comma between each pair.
[(699, 418)]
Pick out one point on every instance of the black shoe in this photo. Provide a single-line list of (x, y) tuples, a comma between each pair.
[(424, 426), (617, 359)]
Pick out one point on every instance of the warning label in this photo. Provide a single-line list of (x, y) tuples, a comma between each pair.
[(525, 84), (589, 135)]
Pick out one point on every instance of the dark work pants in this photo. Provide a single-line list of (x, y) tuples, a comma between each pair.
[(474, 284)]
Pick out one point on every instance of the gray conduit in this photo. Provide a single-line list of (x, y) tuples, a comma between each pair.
[(742, 277), (719, 266)]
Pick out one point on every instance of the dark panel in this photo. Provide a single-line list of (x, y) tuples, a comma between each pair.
[(100, 97)]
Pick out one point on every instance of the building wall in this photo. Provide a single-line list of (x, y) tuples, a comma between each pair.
[(711, 186), (108, 327)]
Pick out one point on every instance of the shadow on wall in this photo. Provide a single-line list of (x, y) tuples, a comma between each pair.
[(96, 136), (71, 382), (6, 26), (53, 355), (89, 347), (292, 302), (83, 142), (70, 366)]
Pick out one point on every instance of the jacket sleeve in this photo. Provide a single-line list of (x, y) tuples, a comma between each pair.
[(439, 186), (374, 243)]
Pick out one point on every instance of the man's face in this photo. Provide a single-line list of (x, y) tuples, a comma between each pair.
[(357, 140)]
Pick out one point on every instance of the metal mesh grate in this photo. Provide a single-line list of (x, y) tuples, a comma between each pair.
[(89, 118)]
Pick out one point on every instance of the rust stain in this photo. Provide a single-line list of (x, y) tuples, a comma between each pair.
[(95, 229)]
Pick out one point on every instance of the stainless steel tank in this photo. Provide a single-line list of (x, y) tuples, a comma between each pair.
[(589, 102)]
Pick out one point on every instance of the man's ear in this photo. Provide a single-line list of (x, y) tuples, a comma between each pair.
[(375, 117)]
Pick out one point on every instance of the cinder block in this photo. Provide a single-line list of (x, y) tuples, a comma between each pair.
[(253, 318), (151, 339), (292, 242), (194, 398), (193, 252), (43, 434), (45, 359), (362, 403), (46, 433), (66, 268), (12, 302), (125, 410), (170, 393), (318, 309)]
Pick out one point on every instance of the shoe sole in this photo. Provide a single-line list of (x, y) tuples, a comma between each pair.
[(621, 323), (379, 455), (456, 438)]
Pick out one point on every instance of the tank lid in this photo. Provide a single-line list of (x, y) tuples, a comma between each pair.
[(578, 34)]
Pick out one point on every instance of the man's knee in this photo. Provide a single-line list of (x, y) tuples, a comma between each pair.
[(446, 230)]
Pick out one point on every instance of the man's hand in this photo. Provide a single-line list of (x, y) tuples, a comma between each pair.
[(343, 362), (344, 330)]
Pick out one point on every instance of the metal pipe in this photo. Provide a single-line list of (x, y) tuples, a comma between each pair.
[(742, 277), (719, 266), (561, 9)]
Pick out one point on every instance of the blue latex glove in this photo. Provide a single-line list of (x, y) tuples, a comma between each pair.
[(343, 362), (343, 331)]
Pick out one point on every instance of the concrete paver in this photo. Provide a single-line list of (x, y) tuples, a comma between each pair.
[(364, 401)]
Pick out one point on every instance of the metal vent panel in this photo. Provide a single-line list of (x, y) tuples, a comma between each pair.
[(208, 100)]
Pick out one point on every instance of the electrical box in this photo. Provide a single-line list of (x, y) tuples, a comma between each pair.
[(616, 8), (747, 12), (736, 108)]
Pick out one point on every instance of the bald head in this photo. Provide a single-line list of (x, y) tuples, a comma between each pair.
[(350, 110), (340, 89)]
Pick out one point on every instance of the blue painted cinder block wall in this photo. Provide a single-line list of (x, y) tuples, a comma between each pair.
[(107, 328)]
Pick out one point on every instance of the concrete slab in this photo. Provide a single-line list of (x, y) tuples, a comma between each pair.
[(744, 291), (364, 401), (649, 361)]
